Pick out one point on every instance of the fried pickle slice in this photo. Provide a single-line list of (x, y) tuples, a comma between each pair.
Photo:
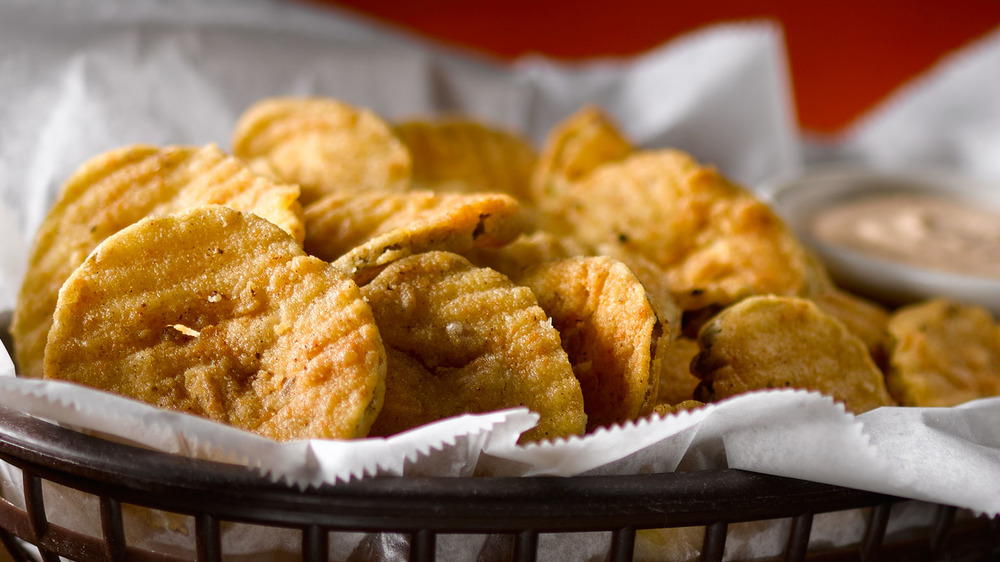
[(463, 339), (323, 145), (667, 409), (715, 241), (654, 279), (677, 382), (526, 251), (865, 319), (944, 353), (114, 190), (458, 155), (573, 148), (225, 318), (785, 342), (609, 329), (362, 232)]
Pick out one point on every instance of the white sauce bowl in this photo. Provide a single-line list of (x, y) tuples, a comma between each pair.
[(893, 282)]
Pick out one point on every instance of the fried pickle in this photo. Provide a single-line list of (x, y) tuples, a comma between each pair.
[(865, 319), (525, 251), (716, 242), (459, 155), (114, 190), (654, 279), (323, 145), (362, 232), (785, 342), (573, 149), (943, 353), (463, 339), (677, 383), (609, 329), (665, 409), (225, 318)]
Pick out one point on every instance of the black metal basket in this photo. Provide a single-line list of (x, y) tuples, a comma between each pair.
[(517, 508)]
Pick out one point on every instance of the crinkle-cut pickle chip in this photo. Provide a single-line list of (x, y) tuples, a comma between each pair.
[(609, 330), (654, 279), (677, 383), (574, 147), (865, 319), (454, 154), (665, 409), (785, 342), (221, 314), (116, 189), (324, 145), (465, 339), (365, 231), (944, 353), (716, 242), (525, 251)]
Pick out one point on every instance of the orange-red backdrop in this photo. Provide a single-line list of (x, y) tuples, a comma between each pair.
[(844, 56)]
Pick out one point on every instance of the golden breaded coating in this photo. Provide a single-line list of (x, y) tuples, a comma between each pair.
[(865, 319), (263, 167), (465, 339), (665, 409), (677, 383), (609, 329), (324, 145), (221, 314), (364, 231), (459, 155), (525, 251), (577, 146), (716, 242), (574, 148), (944, 353), (817, 278), (114, 190), (786, 342), (654, 279)]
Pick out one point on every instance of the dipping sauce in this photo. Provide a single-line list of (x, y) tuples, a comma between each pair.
[(923, 230)]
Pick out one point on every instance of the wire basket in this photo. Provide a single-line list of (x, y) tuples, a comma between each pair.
[(519, 509)]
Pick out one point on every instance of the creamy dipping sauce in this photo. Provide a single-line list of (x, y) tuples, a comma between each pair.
[(919, 229)]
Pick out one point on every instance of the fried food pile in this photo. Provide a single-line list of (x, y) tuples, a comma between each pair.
[(339, 276)]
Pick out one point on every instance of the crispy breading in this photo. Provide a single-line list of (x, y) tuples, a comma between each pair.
[(465, 339), (865, 319), (114, 190), (574, 148), (324, 145), (716, 242), (943, 353), (665, 409), (609, 329), (655, 280), (525, 251), (786, 342), (454, 154), (225, 317), (362, 232), (677, 383)]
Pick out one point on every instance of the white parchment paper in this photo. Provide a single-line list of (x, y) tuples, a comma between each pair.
[(79, 78)]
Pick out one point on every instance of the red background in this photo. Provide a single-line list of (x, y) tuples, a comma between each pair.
[(844, 56)]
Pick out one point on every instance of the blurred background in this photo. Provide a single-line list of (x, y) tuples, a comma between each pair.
[(844, 56)]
